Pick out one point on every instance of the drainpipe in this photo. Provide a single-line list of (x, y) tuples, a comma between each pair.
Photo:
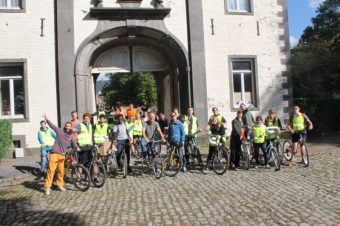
[(187, 6), (56, 61)]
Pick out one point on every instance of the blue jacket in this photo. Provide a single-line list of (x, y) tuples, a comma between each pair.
[(176, 134)]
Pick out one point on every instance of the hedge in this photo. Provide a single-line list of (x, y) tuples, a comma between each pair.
[(5, 137)]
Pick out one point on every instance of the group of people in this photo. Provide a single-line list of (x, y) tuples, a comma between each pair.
[(129, 127)]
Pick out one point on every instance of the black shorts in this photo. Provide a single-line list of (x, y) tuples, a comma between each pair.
[(296, 136), (85, 156)]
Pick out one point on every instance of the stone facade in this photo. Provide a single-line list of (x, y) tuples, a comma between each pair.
[(198, 38)]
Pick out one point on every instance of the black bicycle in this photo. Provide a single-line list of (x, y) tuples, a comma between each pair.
[(195, 158), (110, 162), (156, 161), (221, 156), (75, 172), (93, 165)]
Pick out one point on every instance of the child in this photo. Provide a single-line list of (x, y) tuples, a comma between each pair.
[(259, 131)]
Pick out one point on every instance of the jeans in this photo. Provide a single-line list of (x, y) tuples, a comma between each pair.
[(146, 154), (235, 145), (256, 152), (123, 145), (179, 151), (43, 155)]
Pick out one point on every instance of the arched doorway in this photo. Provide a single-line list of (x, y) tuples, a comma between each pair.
[(134, 49)]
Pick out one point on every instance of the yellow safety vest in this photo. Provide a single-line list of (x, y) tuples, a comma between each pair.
[(193, 126), (85, 136), (298, 123), (272, 124), (100, 133), (214, 140), (259, 134), (130, 127), (219, 118), (138, 129), (47, 138)]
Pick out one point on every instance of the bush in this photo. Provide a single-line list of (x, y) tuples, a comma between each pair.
[(5, 137)]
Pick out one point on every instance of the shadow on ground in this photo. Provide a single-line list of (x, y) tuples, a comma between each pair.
[(21, 211), (28, 169)]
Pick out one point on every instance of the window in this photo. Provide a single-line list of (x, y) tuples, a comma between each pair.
[(10, 4), (243, 82), (12, 95), (242, 6)]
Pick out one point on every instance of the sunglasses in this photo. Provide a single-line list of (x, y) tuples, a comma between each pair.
[(173, 115)]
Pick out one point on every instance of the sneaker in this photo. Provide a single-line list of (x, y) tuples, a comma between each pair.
[(61, 188), (47, 191), (257, 166), (42, 178), (205, 171), (267, 166), (184, 169)]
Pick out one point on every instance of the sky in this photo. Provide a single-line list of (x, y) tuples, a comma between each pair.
[(300, 13)]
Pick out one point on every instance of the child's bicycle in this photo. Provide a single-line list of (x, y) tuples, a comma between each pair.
[(288, 152)]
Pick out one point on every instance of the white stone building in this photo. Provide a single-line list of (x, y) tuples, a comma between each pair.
[(204, 53)]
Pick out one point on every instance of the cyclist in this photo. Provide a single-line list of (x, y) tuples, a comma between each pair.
[(272, 121), (216, 128), (75, 121), (248, 119), (122, 140), (297, 125), (64, 138), (176, 135), (46, 137), (137, 131), (131, 111), (130, 125), (190, 128), (235, 140), (217, 115), (259, 131), (163, 123), (85, 138), (150, 128), (101, 131), (179, 116)]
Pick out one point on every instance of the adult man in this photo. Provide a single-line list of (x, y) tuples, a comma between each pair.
[(46, 138), (85, 131), (235, 140), (101, 131), (297, 125), (131, 111), (248, 119), (122, 140), (176, 135), (179, 116), (75, 121), (163, 122), (64, 138), (150, 130), (190, 128)]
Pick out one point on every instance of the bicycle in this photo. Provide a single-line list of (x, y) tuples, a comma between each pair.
[(156, 161), (76, 173), (289, 154), (93, 165), (111, 163), (138, 147), (272, 150), (245, 151), (172, 163), (195, 158), (277, 144), (221, 156)]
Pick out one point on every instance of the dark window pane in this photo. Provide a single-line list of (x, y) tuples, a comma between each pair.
[(5, 98), (19, 97), (11, 71), (237, 82), (241, 65), (248, 87)]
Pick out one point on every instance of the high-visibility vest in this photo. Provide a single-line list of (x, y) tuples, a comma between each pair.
[(130, 127), (219, 118), (298, 123), (47, 137), (214, 140), (101, 113), (138, 129), (193, 125), (85, 136), (100, 133), (259, 134), (272, 124)]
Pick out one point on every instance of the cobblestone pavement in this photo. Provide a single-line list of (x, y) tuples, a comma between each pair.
[(293, 196)]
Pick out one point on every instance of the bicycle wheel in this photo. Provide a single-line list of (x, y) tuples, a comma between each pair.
[(245, 156), (190, 149), (220, 161), (80, 177), (198, 157), (287, 150), (124, 164), (276, 159), (98, 174), (304, 155), (172, 164), (157, 166), (111, 166)]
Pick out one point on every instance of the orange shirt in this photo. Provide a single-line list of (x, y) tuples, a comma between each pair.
[(123, 112), (131, 112)]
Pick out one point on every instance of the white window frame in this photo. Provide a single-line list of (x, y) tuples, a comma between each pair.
[(11, 98), (9, 5), (252, 73), (238, 10)]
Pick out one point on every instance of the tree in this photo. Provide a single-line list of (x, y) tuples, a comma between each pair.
[(126, 88)]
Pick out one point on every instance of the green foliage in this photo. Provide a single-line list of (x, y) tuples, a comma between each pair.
[(5, 137), (137, 88)]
